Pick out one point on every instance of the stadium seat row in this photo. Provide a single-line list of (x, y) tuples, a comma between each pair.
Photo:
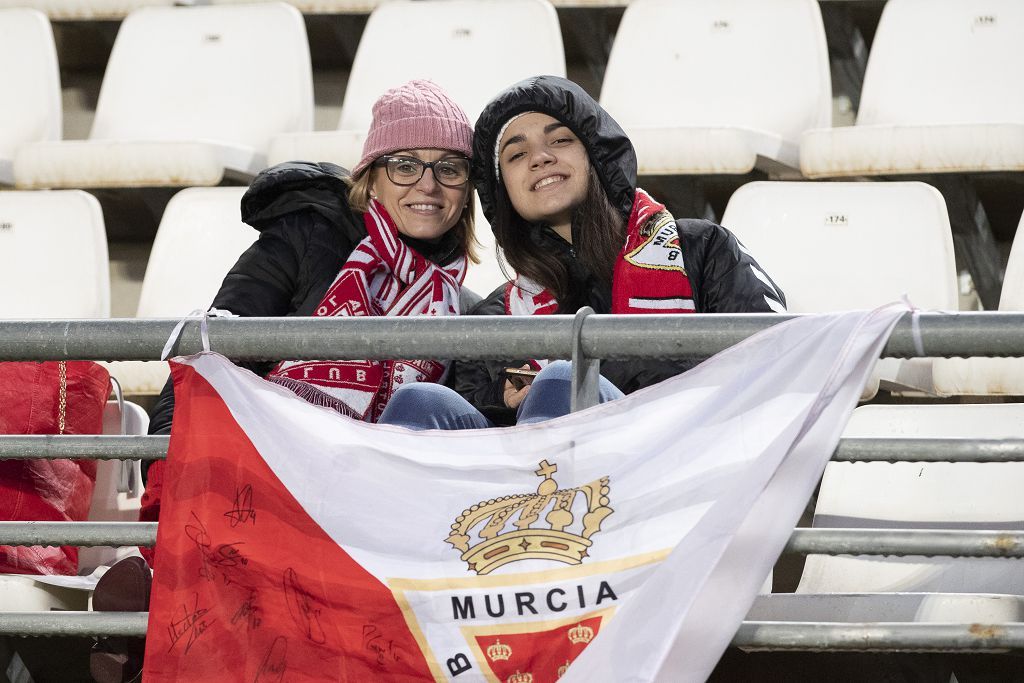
[(830, 246), (914, 495), (846, 589), (194, 95), (105, 10)]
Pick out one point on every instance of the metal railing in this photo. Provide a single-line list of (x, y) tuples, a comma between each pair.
[(849, 449), (752, 635), (822, 541), (477, 337), (585, 339)]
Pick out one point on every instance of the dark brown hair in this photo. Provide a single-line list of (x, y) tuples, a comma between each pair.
[(599, 231)]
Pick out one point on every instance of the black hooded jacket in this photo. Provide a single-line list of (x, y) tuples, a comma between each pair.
[(724, 277), (307, 232)]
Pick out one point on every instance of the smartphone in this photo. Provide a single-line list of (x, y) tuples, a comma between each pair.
[(519, 377)]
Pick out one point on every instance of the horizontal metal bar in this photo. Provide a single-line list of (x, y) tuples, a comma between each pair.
[(297, 338), (988, 333), (78, 533), (891, 636), (752, 635), (81, 624), (849, 450), (896, 542), (928, 450), (97, 447), (901, 542)]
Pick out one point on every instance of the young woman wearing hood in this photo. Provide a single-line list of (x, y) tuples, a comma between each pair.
[(556, 177)]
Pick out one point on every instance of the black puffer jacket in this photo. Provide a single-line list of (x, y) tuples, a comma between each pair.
[(307, 232), (724, 277)]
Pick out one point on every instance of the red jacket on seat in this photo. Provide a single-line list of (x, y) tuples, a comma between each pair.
[(48, 490)]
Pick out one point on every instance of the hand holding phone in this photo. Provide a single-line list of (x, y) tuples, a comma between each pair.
[(520, 377)]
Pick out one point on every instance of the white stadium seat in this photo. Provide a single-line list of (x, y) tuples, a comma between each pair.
[(200, 237), (30, 99), (117, 496), (471, 48), (24, 593), (980, 496), (191, 95), (1012, 298), (940, 495), (983, 376), (53, 256), (941, 101), (843, 246), (321, 6), (718, 87), (90, 10), (464, 54), (485, 276), (941, 94)]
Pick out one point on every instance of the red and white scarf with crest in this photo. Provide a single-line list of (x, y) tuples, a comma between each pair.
[(649, 276), (385, 277)]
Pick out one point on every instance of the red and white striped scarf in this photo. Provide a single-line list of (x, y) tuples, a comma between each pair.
[(383, 276), (648, 277)]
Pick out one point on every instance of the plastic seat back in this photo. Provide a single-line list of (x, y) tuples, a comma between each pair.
[(471, 48), (485, 276), (980, 496), (760, 64), (29, 81), (234, 75), (843, 246), (200, 237), (109, 502), (945, 62), (1012, 297), (53, 256), (320, 6)]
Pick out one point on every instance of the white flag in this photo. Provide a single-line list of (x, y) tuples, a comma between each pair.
[(624, 542)]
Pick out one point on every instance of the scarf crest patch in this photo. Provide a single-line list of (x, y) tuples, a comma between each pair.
[(382, 277)]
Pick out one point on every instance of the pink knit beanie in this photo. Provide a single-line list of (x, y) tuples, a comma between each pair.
[(417, 115)]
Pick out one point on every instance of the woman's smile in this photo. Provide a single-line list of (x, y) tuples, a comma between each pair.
[(548, 182), (545, 168), (426, 209)]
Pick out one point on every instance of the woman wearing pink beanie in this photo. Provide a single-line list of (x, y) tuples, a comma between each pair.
[(393, 237), (412, 188)]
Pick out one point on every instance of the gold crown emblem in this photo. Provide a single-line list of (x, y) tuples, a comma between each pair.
[(498, 547), (499, 651), (580, 634), (520, 678), (562, 669)]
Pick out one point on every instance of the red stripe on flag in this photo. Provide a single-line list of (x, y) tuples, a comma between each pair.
[(247, 587)]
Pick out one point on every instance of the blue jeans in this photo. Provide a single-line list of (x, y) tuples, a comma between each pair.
[(433, 406)]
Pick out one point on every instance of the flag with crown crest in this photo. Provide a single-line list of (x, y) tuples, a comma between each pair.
[(622, 542)]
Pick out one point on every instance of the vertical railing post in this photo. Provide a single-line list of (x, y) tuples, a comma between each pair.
[(585, 371)]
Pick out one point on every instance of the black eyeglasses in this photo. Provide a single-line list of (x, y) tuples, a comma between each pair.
[(450, 171)]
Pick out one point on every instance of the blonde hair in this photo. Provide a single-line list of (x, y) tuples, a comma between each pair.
[(359, 200)]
